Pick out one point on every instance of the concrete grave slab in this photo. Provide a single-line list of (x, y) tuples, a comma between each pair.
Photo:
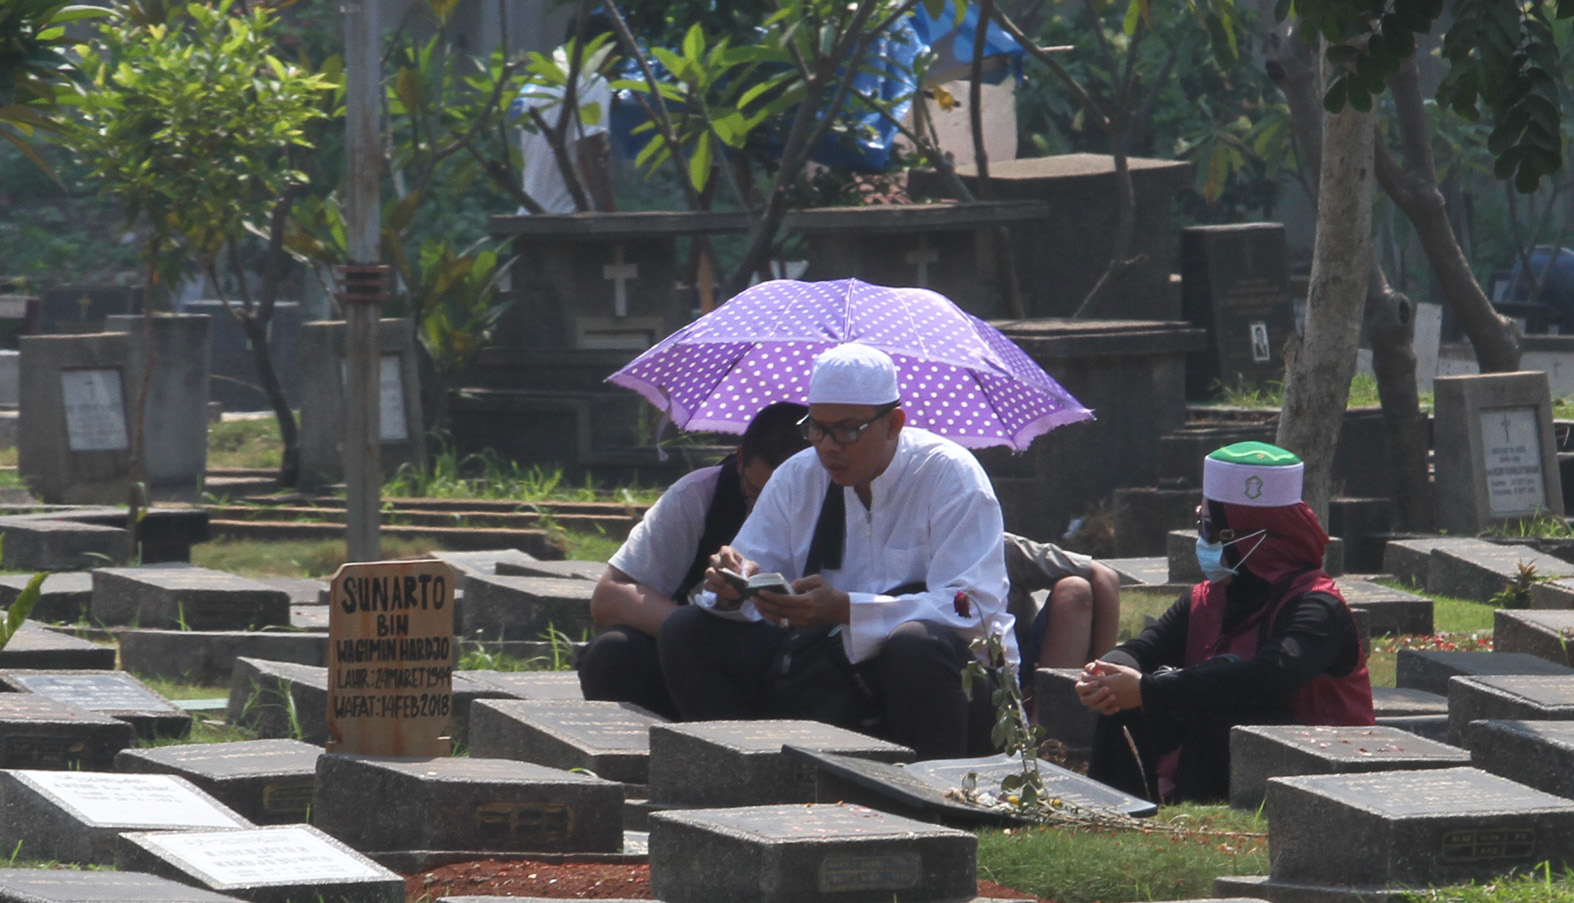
[(1139, 571), (208, 657), (195, 599), (922, 790), (741, 763), (1544, 634), (66, 886), (301, 590), (37, 544), (1432, 727), (1554, 594), (280, 699), (175, 413), (74, 429), (1538, 754), (608, 739), (1249, 888), (1434, 826), (1060, 712), (314, 618), (1388, 611), (63, 598), (268, 782), (1410, 560), (113, 693), (565, 570), (523, 608), (282, 864), (1481, 572), (42, 733), (776, 854), (471, 804), (1260, 752), (1398, 702), (483, 563), (76, 816), (539, 685), (400, 437), (1506, 698), (1430, 669), (34, 647)]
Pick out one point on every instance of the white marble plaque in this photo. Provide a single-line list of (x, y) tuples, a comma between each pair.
[(95, 410), (1511, 449), (132, 799), (391, 425), (282, 856)]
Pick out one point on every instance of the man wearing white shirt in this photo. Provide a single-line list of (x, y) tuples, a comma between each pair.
[(587, 140), (920, 572)]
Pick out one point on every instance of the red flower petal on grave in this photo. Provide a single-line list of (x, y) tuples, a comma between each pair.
[(962, 604)]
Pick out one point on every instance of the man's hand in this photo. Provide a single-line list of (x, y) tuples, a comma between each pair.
[(812, 603), (727, 557), (1107, 688)]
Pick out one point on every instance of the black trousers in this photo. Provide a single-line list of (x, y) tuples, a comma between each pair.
[(718, 669), (621, 665)]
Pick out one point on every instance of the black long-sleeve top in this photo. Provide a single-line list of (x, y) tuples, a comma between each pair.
[(1313, 634)]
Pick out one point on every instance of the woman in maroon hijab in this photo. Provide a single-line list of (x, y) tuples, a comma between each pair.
[(1264, 639)]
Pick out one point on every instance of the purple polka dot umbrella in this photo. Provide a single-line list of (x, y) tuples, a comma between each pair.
[(959, 376)]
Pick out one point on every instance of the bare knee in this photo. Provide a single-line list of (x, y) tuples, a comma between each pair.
[(1071, 596)]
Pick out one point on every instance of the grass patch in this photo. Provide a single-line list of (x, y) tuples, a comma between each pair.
[(1538, 886), (1270, 395), (1082, 865), (293, 558), (490, 475), (250, 444), (587, 546), (203, 730)]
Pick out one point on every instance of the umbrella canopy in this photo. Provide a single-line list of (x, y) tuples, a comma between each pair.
[(959, 376)]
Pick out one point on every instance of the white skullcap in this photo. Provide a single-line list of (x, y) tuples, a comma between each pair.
[(853, 374)]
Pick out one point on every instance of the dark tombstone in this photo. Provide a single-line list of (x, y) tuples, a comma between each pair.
[(1556, 593), (401, 431), (926, 791), (1430, 669), (18, 317), (801, 854), (1538, 754), (551, 686), (1544, 634), (1060, 712), (1056, 265), (63, 598), (234, 383), (384, 803), (948, 247), (1410, 560), (1506, 698), (1144, 514), (280, 699), (741, 763), (268, 782), (1480, 572), (608, 739), (186, 598), (34, 647), (484, 563), (1412, 828), (63, 886), (524, 608), (208, 657), (76, 816), (113, 693), (1260, 752), (83, 308), (567, 570), (1235, 282), (41, 543), (281, 864), (40, 733), (1401, 702), (1388, 611)]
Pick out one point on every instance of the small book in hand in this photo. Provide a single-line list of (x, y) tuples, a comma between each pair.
[(751, 586)]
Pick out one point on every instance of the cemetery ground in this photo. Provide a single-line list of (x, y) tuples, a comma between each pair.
[(1187, 847)]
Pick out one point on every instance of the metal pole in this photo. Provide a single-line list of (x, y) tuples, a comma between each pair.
[(362, 296)]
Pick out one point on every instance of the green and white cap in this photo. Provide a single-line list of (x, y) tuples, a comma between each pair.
[(1254, 474)]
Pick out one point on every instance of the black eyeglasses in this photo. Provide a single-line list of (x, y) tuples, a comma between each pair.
[(814, 431), (1206, 531)]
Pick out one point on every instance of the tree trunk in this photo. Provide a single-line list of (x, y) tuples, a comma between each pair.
[(1494, 336), (1318, 369)]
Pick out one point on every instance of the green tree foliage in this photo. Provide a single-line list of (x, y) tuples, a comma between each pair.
[(191, 122), (35, 69)]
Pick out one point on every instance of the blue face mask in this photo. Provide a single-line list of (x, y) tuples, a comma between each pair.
[(1210, 557)]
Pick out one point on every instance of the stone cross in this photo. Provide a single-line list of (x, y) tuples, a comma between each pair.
[(620, 272), (922, 256)]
